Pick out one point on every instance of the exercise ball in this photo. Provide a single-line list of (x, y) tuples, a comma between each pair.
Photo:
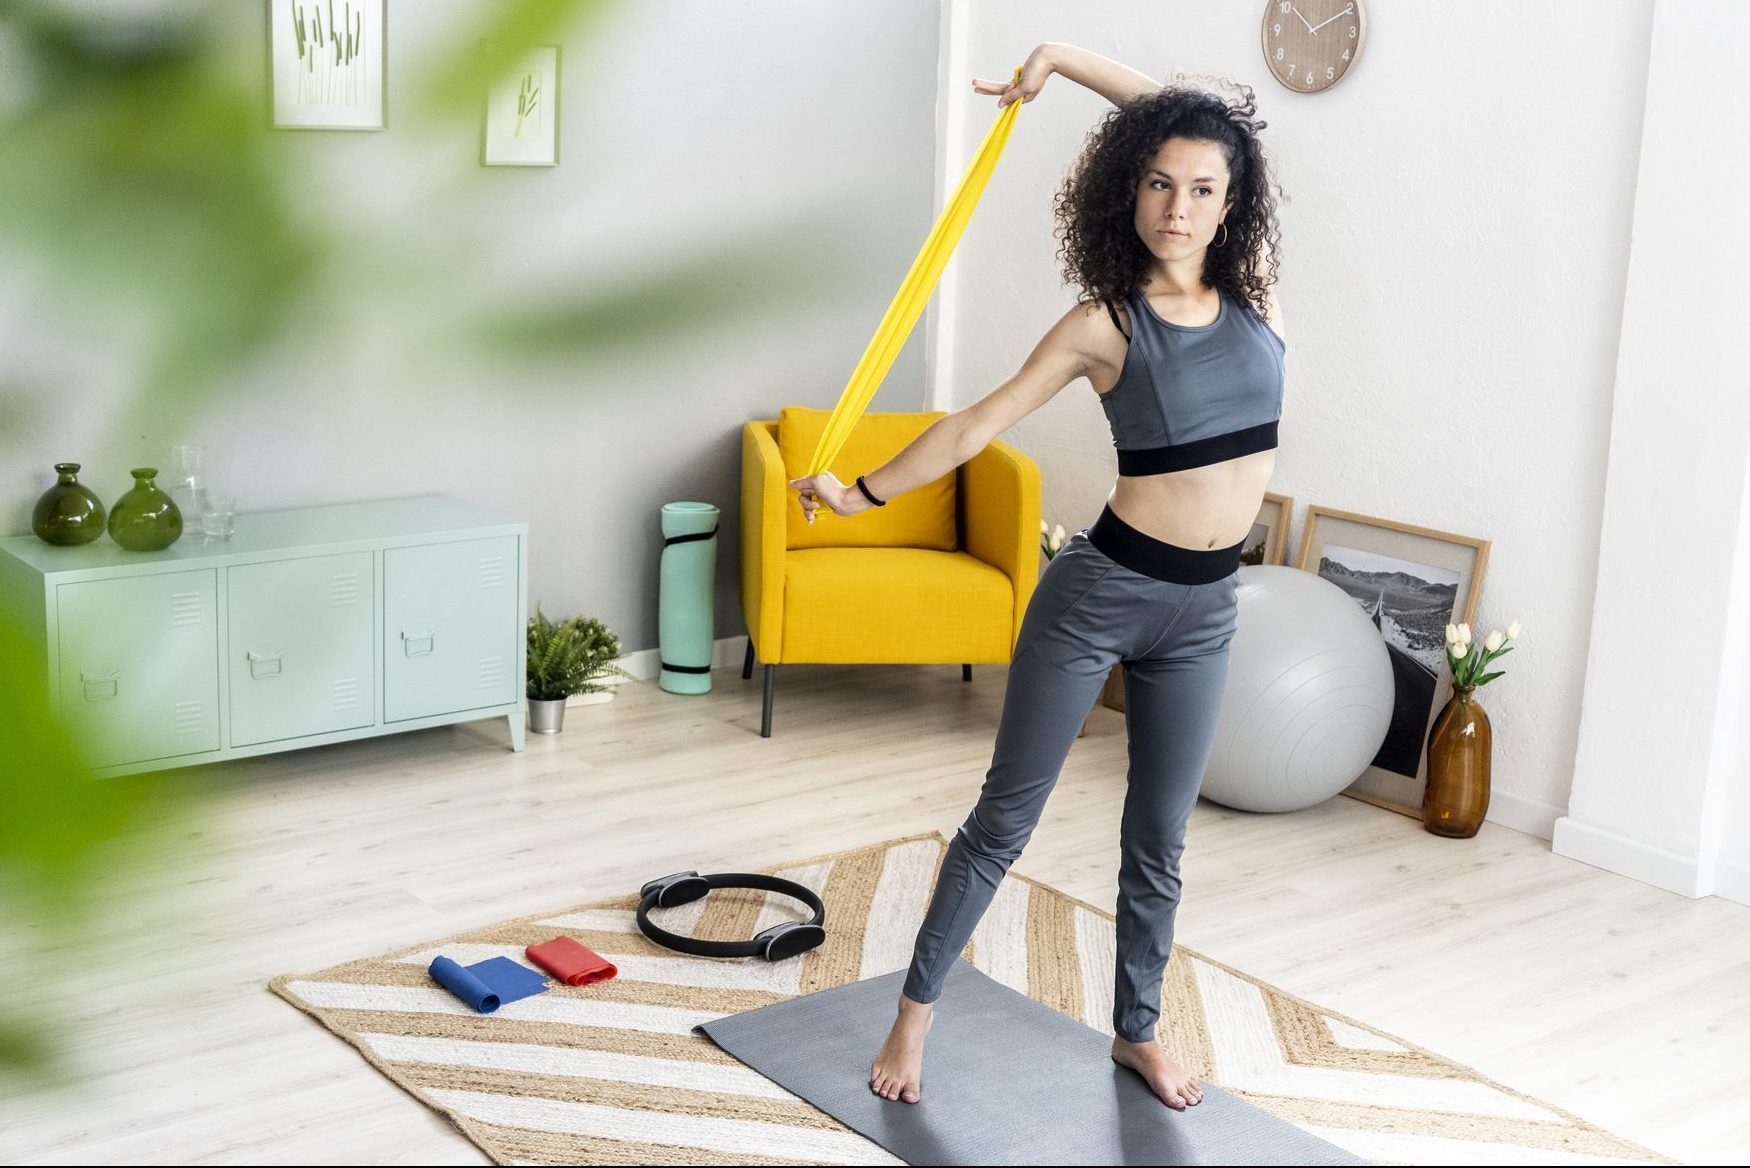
[(1309, 694)]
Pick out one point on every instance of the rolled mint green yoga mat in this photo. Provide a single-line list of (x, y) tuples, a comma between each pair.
[(685, 619)]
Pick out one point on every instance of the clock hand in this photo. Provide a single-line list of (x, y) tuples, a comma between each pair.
[(1315, 28), (1296, 11)]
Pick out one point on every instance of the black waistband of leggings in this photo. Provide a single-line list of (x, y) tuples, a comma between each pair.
[(1139, 552)]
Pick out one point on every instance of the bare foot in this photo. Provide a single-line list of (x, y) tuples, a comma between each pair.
[(1166, 1078), (898, 1070)]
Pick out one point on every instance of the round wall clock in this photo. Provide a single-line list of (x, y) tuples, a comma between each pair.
[(1310, 45)]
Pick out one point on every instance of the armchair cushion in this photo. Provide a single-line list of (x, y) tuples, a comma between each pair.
[(919, 518), (895, 605)]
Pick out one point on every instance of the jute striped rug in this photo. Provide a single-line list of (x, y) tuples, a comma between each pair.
[(611, 1073)]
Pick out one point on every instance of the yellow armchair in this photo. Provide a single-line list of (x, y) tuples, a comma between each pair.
[(813, 596)]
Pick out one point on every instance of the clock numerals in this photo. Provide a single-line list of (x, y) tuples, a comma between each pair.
[(1330, 37)]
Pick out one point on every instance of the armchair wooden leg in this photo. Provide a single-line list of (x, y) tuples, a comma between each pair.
[(766, 718), (966, 673), (747, 663)]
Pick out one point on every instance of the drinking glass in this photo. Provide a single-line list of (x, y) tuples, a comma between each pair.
[(217, 517), (186, 483)]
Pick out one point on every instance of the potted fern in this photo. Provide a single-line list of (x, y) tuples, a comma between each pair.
[(566, 657)]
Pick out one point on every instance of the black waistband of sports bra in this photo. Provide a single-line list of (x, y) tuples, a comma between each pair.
[(1140, 552), (1184, 456)]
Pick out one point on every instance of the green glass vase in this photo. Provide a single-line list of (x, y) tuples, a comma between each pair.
[(69, 513), (145, 519)]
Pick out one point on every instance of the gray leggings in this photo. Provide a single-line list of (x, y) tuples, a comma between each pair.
[(1166, 614)]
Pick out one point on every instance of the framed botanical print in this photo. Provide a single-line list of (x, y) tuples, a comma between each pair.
[(522, 112), (327, 64), (1412, 582)]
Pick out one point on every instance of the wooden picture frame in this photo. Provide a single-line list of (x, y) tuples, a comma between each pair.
[(1266, 543), (1412, 581), (328, 78)]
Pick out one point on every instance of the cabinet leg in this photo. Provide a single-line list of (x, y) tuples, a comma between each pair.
[(518, 731), (966, 673)]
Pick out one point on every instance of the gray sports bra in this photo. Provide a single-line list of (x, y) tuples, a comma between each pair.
[(1192, 395)]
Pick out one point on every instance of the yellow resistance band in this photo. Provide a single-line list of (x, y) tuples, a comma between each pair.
[(913, 294)]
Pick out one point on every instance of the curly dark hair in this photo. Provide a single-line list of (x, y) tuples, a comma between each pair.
[(1096, 206)]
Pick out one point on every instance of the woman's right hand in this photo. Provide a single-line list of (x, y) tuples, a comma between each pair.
[(1034, 71)]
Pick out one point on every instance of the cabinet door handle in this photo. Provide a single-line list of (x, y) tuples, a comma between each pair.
[(419, 644), (265, 665), (101, 687)]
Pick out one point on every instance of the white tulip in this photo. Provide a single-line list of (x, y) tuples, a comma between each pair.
[(1055, 544), (1494, 641), (1464, 632), (1057, 534), (1451, 633), (1044, 530), (1513, 631), (1460, 649)]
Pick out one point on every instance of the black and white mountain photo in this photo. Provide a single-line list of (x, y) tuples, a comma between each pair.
[(1410, 604)]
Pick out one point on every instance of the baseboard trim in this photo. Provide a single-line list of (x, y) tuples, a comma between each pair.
[(646, 664), (1685, 875), (1732, 881), (1521, 814)]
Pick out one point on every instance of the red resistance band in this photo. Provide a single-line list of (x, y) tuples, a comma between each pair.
[(570, 962)]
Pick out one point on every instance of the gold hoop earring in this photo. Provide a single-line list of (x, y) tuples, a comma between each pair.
[(1223, 236)]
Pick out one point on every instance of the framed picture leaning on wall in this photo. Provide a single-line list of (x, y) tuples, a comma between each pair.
[(1267, 542), (1412, 582), (327, 64)]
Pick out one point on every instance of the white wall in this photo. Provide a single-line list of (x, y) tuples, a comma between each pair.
[(1660, 765), (1452, 269), (1728, 835), (687, 126)]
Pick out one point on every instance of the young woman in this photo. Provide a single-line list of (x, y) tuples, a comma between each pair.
[(1168, 226)]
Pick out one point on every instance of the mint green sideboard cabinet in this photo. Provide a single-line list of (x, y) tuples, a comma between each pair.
[(309, 626)]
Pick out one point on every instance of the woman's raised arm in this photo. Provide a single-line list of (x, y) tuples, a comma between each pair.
[(1111, 80)]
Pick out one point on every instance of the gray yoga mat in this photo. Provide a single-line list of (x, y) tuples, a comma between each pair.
[(1007, 1080)]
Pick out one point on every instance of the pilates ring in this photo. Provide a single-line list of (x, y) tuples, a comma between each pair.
[(786, 939)]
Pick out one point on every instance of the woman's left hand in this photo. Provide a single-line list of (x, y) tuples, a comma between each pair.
[(1038, 66), (826, 488)]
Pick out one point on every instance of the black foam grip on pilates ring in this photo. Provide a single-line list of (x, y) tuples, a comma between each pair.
[(776, 943), (690, 538)]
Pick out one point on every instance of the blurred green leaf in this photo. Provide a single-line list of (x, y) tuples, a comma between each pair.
[(785, 264), (479, 56), (149, 180), (63, 831), (143, 189)]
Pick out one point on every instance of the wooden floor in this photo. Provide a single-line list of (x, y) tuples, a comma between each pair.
[(1625, 1004)]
